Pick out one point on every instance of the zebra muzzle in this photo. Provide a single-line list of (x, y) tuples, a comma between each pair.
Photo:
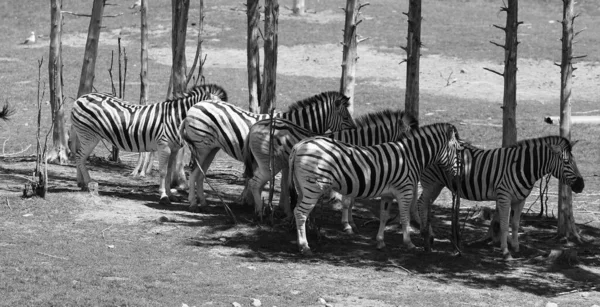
[(578, 185)]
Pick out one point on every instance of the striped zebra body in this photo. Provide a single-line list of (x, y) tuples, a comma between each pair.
[(136, 128), (213, 126), (505, 175), (371, 129), (320, 164)]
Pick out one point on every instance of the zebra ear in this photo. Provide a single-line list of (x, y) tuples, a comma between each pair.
[(574, 143), (343, 101)]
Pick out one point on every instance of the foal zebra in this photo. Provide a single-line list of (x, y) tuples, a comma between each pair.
[(320, 164), (371, 129), (211, 126), (506, 175), (136, 128)]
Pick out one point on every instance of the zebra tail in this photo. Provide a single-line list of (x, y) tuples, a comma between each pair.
[(249, 159), (293, 194), (185, 139)]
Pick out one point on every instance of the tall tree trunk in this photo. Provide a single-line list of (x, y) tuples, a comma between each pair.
[(178, 75), (566, 221), (59, 135), (509, 106), (349, 53), (413, 51), (268, 94), (253, 56), (144, 52), (178, 36), (298, 7), (86, 80)]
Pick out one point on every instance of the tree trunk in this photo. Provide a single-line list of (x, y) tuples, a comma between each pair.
[(178, 75), (509, 107), (59, 136), (144, 53), (178, 36), (566, 221), (86, 80), (268, 96), (298, 7), (413, 51), (253, 56), (349, 53)]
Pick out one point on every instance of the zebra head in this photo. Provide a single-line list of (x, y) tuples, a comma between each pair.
[(340, 118), (324, 112), (6, 112), (451, 156), (563, 165)]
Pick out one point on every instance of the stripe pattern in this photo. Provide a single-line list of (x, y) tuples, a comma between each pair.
[(213, 126), (506, 175), (371, 129), (136, 128), (321, 164)]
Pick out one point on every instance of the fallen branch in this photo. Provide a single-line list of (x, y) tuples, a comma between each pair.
[(51, 256), (14, 153), (400, 267), (88, 15), (8, 203)]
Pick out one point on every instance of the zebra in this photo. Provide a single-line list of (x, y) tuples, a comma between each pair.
[(371, 129), (506, 175), (212, 126), (321, 164), (137, 128)]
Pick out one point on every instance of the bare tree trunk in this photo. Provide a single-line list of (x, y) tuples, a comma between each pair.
[(178, 74), (413, 52), (145, 159), (268, 94), (298, 7), (253, 56), (349, 53), (59, 134), (566, 221), (509, 107), (86, 80), (178, 36)]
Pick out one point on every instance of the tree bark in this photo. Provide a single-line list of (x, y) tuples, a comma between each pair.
[(268, 94), (413, 51), (253, 56), (566, 221), (59, 135), (349, 53), (144, 53), (509, 107), (178, 75), (86, 80)]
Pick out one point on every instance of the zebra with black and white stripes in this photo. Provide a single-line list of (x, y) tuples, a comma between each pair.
[(321, 164), (371, 129), (136, 128), (213, 126), (506, 175)]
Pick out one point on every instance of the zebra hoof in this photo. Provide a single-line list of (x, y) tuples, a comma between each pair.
[(305, 251), (164, 201), (380, 245), (507, 257), (348, 230)]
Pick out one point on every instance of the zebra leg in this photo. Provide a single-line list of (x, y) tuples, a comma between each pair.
[(284, 196), (205, 159), (517, 208), (384, 216), (301, 213), (503, 208), (165, 157), (192, 189), (88, 143), (405, 199), (348, 225), (255, 187), (428, 196)]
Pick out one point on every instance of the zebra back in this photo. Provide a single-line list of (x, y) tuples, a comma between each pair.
[(136, 127), (371, 129), (515, 168), (227, 126)]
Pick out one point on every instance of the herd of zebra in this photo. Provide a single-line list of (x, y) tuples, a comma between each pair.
[(320, 148)]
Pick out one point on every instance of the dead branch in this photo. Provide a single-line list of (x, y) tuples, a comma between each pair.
[(88, 15), (8, 203), (498, 73), (13, 153), (51, 256), (499, 45)]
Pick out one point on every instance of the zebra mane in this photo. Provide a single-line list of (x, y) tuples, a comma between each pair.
[(199, 90), (379, 116), (301, 104), (550, 139)]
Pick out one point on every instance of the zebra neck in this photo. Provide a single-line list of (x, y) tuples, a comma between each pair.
[(307, 118)]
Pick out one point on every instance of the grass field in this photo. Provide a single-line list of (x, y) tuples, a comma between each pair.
[(121, 248)]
